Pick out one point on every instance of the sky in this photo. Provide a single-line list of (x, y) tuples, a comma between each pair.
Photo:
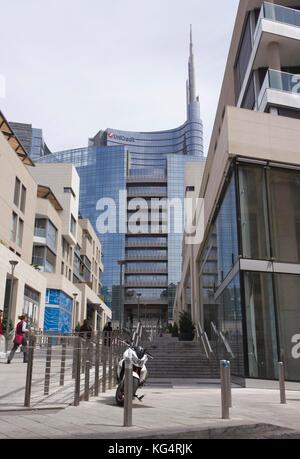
[(73, 67)]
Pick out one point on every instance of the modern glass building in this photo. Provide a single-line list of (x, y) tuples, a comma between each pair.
[(246, 273), (148, 166), (32, 139)]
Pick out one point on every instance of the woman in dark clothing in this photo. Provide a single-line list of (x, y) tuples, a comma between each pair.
[(20, 339)]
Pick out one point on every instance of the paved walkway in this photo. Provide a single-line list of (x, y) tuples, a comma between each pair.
[(13, 381), (170, 412)]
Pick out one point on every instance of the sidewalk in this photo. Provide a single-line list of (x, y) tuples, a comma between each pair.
[(178, 412), (13, 381)]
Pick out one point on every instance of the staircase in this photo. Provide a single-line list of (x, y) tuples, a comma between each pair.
[(174, 359)]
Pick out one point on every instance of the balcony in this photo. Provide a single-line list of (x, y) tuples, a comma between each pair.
[(145, 300), (278, 13), (147, 194), (146, 271), (276, 24), (146, 244), (146, 284), (279, 89)]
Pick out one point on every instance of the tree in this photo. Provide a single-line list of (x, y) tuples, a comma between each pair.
[(186, 326)]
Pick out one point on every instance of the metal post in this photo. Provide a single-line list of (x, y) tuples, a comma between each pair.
[(110, 362), (104, 365), (27, 400), (282, 383), (74, 363), (63, 362), (128, 394), (121, 323), (229, 386), (77, 348), (224, 389), (13, 265), (97, 365), (48, 366), (88, 361)]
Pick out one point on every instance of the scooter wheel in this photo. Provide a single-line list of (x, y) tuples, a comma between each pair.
[(120, 395)]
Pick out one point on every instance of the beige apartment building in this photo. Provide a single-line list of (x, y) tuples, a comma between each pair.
[(245, 275), (57, 278)]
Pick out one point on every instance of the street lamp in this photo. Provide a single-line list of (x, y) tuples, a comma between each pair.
[(75, 295), (13, 265), (121, 263), (139, 299)]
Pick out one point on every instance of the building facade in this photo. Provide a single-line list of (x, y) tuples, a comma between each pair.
[(245, 275), (148, 166), (56, 280)]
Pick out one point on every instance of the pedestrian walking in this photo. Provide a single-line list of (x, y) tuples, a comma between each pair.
[(107, 332), (20, 339), (86, 330)]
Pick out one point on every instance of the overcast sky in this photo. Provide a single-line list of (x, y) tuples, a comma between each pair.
[(73, 67)]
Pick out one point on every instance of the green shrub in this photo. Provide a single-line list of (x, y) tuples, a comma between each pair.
[(175, 331), (186, 325)]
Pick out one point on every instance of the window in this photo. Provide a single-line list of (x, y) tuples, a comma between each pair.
[(23, 199), (73, 226), (254, 222), (17, 192), (50, 261), (20, 233), (261, 327), (285, 214), (243, 57), (14, 227), (62, 268)]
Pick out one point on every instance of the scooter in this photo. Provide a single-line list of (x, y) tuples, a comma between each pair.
[(139, 357)]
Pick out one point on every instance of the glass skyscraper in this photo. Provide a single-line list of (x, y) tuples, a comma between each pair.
[(148, 166)]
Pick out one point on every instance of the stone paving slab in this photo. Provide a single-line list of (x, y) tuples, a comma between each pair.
[(164, 411)]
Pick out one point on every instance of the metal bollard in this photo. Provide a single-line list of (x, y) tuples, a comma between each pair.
[(104, 365), (110, 365), (77, 348), (88, 360), (74, 363), (128, 394), (48, 366), (282, 383), (224, 389), (63, 362), (27, 400), (97, 365), (229, 386)]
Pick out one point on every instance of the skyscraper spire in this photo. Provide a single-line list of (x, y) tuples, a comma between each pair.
[(192, 78)]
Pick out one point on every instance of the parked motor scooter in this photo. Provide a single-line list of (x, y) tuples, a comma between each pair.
[(139, 357)]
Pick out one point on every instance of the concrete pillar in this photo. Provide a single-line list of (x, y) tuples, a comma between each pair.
[(274, 60)]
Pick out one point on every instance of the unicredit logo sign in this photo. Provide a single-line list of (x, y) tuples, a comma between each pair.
[(121, 138)]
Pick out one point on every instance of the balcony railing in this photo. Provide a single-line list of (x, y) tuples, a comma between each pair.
[(278, 13), (146, 284), (40, 232), (279, 81), (146, 271), (146, 244)]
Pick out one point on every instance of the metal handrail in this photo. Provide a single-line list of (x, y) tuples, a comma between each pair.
[(220, 335), (205, 341)]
